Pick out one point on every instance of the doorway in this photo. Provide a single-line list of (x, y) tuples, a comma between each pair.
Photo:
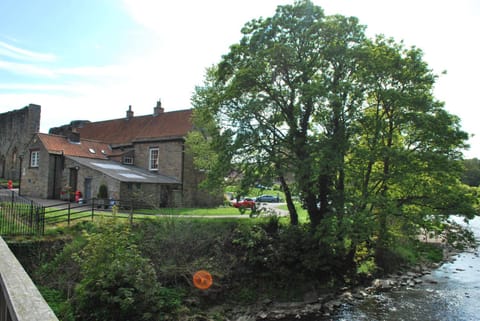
[(87, 189)]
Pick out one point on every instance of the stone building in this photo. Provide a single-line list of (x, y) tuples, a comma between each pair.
[(142, 155), (16, 130), (59, 166)]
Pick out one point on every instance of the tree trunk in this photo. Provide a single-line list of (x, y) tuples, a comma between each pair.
[(288, 198)]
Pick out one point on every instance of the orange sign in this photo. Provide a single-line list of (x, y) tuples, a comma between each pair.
[(202, 280)]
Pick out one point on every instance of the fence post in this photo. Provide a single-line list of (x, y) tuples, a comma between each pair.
[(31, 214), (42, 219), (68, 220), (93, 207), (37, 221), (131, 213)]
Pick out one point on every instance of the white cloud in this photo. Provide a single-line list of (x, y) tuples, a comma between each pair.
[(14, 52), (34, 87), (26, 69)]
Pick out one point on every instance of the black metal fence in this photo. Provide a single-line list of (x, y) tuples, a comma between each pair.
[(20, 216), (67, 212)]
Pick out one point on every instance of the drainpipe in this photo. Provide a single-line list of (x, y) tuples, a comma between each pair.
[(20, 176), (54, 176), (183, 165)]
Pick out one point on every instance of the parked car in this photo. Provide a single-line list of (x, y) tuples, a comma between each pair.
[(267, 199), (247, 202)]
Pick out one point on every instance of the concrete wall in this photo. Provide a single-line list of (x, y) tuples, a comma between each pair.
[(19, 297), (16, 130)]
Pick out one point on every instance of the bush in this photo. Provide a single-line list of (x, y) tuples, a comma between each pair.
[(60, 306), (118, 283), (102, 192)]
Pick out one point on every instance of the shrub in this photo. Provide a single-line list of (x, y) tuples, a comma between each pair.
[(60, 306), (118, 283), (102, 192)]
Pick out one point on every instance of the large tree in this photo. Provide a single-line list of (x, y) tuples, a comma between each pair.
[(405, 164), (282, 100), (353, 119)]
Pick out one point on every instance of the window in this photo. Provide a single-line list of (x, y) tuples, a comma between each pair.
[(128, 160), (153, 162), (14, 156), (34, 158)]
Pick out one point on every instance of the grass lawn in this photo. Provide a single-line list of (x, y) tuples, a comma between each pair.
[(302, 213), (58, 218), (213, 211), (60, 215)]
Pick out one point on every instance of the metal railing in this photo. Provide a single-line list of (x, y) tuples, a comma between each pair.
[(19, 215), (20, 299)]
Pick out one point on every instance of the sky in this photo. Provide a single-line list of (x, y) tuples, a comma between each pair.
[(92, 59)]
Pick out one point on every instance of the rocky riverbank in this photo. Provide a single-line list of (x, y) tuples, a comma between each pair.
[(315, 306)]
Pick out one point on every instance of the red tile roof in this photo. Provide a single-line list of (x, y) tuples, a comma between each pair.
[(124, 131), (85, 148)]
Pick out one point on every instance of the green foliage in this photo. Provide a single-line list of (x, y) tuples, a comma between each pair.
[(102, 192), (355, 124), (367, 268), (471, 174), (117, 271), (63, 273), (272, 251), (59, 304), (117, 282), (178, 248)]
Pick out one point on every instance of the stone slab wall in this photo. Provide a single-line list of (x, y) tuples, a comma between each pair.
[(169, 160), (17, 128), (35, 180)]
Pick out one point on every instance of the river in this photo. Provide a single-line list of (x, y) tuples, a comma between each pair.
[(449, 293)]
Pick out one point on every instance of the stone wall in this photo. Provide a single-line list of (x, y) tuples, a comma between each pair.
[(174, 162), (193, 195), (169, 158), (17, 128), (35, 180), (89, 181)]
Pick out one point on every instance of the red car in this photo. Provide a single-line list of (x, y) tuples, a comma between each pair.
[(246, 203)]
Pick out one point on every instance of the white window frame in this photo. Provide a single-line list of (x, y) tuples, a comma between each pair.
[(35, 158), (154, 154)]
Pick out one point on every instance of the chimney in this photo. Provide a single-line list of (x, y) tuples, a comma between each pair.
[(73, 136), (129, 112), (157, 110)]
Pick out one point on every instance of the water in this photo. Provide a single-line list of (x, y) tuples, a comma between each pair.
[(450, 293)]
